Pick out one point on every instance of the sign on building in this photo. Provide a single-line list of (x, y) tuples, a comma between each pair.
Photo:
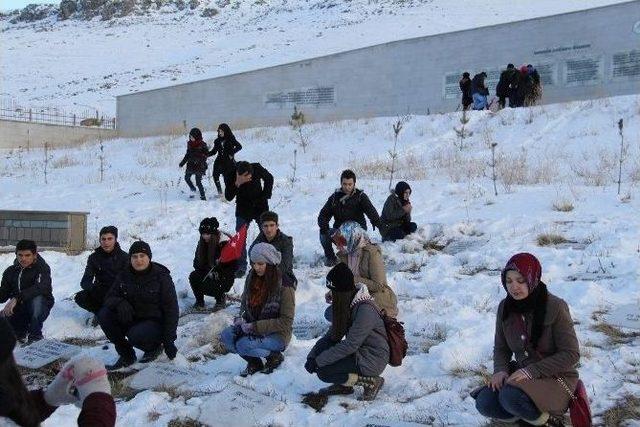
[(626, 65), (314, 96), (585, 71)]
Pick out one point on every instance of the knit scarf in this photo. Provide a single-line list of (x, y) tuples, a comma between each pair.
[(361, 296)]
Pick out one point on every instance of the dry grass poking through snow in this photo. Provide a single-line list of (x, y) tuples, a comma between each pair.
[(550, 239), (625, 409)]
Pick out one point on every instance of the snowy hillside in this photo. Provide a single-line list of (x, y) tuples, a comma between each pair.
[(81, 63), (556, 166)]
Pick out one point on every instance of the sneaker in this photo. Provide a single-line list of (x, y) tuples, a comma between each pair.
[(254, 364), (150, 356), (371, 385), (336, 390), (221, 304), (274, 360), (122, 362)]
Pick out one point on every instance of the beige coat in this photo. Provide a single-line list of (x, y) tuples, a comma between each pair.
[(372, 274), (557, 355)]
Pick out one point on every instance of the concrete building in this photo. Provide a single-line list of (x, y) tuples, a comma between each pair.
[(580, 55)]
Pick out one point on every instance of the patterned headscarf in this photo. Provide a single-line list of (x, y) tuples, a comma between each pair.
[(355, 236)]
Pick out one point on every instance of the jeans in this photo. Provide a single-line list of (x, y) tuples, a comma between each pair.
[(326, 242), (143, 334), (507, 403), (251, 345), (338, 372), (210, 286), (398, 233), (29, 316), (187, 178)]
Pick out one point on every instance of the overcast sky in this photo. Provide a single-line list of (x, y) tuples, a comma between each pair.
[(19, 4)]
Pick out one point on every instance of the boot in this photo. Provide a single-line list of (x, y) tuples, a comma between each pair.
[(122, 362), (221, 303), (273, 361), (150, 356), (540, 421), (198, 306), (254, 364), (336, 390), (371, 385)]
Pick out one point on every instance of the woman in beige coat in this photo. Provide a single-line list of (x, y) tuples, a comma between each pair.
[(535, 328), (365, 262)]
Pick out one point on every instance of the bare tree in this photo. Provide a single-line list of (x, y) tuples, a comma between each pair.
[(47, 157), (297, 122), (462, 132), (622, 152), (294, 168), (397, 127), (101, 157)]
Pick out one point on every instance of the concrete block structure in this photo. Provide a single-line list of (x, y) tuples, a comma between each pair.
[(580, 55)]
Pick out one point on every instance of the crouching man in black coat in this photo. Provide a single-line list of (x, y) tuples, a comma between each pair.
[(103, 265), (141, 310)]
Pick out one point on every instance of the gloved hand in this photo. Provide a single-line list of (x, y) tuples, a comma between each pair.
[(170, 350), (311, 366), (125, 312), (89, 376), (247, 328), (60, 391), (238, 321)]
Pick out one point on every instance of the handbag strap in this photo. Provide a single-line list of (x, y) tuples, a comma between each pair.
[(566, 388)]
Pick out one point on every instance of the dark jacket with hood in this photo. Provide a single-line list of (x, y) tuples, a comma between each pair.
[(284, 244), (252, 198), (225, 148), (27, 283), (102, 268), (196, 157), (343, 208), (478, 85), (393, 216), (152, 295)]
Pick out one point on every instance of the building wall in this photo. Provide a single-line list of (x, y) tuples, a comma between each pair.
[(582, 55), (14, 134)]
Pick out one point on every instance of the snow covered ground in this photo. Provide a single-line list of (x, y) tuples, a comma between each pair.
[(82, 65), (446, 276)]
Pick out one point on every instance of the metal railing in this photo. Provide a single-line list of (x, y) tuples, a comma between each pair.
[(10, 110)]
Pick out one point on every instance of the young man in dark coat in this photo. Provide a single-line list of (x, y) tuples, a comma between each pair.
[(26, 285), (465, 88), (209, 276), (196, 160), (141, 310), (251, 185), (346, 204), (103, 265), (270, 233), (225, 146), (396, 214), (507, 85)]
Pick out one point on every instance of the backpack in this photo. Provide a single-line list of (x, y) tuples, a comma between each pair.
[(395, 336)]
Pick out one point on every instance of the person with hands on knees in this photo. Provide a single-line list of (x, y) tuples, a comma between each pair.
[(355, 351), (26, 289), (265, 324), (535, 326), (82, 381), (141, 310)]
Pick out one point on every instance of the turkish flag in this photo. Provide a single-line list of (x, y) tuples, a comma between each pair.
[(233, 249)]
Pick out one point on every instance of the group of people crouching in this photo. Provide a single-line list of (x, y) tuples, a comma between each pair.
[(135, 302)]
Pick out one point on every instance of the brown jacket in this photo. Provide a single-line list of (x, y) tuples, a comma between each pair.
[(556, 356), (281, 325), (373, 275)]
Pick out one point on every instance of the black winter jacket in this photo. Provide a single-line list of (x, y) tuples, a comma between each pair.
[(27, 283), (204, 260), (252, 198), (102, 268), (284, 244), (226, 150), (345, 208), (478, 85), (196, 157), (152, 295), (393, 215)]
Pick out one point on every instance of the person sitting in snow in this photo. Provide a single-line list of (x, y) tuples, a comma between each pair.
[(365, 261), (209, 276), (103, 265), (270, 233), (251, 185), (395, 221), (355, 351), (196, 160), (265, 324), (535, 326), (141, 310), (26, 287), (82, 381), (347, 203), (225, 146)]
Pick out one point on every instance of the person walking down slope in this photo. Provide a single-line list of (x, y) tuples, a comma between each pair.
[(225, 146), (196, 160)]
